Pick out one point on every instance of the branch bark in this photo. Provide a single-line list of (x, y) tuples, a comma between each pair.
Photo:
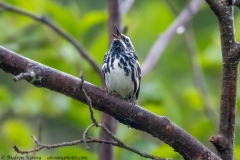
[(133, 116), (231, 2), (224, 141)]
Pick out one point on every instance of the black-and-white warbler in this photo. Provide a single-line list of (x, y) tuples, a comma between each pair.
[(121, 69)]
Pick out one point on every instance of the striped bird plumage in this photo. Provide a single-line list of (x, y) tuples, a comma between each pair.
[(121, 69)]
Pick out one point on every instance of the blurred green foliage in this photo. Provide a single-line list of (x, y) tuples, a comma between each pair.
[(168, 90)]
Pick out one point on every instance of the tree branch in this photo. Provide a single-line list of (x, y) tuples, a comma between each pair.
[(76, 142), (89, 101), (133, 116), (235, 50), (22, 76), (224, 141), (39, 136), (163, 40), (231, 2), (57, 29)]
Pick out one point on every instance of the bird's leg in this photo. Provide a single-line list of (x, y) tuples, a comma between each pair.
[(109, 90)]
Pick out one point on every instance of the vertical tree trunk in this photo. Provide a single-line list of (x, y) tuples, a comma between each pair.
[(224, 141), (106, 151)]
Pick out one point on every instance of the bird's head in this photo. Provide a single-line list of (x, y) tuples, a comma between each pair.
[(122, 41)]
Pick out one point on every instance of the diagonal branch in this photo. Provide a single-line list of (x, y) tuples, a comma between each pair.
[(198, 75), (133, 116), (58, 30), (163, 40)]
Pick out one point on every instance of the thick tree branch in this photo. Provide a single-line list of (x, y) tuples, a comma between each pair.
[(214, 3), (57, 29), (133, 116), (224, 141), (163, 40), (86, 139)]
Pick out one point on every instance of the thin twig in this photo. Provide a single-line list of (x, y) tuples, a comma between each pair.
[(88, 99), (89, 140), (58, 30), (48, 146), (106, 130), (85, 135), (22, 76), (36, 140), (95, 123), (164, 39), (28, 151), (39, 135)]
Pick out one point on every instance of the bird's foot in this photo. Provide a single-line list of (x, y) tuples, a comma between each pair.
[(112, 92), (133, 101)]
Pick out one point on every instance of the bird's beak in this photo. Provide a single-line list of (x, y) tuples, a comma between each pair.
[(118, 35)]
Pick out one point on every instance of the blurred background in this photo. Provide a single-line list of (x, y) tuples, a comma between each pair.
[(174, 88)]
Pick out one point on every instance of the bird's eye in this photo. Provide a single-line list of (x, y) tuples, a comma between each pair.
[(127, 40)]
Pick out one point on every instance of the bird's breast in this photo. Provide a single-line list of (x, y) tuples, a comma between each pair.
[(118, 79)]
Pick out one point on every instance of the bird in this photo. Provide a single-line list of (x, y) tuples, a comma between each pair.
[(121, 69)]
